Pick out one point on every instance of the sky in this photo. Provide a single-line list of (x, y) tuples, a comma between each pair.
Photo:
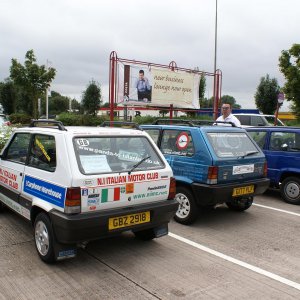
[(76, 38)]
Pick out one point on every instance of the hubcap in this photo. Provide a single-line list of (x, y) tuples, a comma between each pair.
[(292, 190), (184, 206), (42, 238)]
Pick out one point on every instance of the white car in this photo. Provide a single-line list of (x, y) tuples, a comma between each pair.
[(76, 184), (257, 120)]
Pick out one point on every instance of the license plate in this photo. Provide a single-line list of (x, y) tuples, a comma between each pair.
[(249, 189), (128, 220)]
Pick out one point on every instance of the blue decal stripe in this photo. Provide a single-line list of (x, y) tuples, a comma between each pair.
[(44, 190)]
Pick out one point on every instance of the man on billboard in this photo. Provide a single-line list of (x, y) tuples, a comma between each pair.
[(143, 87)]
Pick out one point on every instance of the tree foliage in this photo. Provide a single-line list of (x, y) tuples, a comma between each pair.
[(92, 98), (32, 79), (231, 100), (267, 94), (289, 65), (202, 86), (8, 96)]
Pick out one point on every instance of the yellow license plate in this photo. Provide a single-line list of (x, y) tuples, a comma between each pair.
[(128, 220), (249, 189)]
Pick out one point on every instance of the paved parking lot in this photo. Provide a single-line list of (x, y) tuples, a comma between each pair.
[(224, 255)]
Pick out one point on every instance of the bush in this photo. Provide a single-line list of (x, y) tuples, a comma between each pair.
[(20, 118), (72, 119)]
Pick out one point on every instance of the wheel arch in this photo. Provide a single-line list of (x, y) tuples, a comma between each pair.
[(288, 174)]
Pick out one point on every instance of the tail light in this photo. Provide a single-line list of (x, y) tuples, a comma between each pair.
[(212, 176), (172, 189), (73, 201), (265, 169)]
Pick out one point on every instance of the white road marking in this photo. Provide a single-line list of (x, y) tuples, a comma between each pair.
[(237, 261), (277, 209)]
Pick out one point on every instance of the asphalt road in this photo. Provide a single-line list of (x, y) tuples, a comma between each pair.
[(224, 255)]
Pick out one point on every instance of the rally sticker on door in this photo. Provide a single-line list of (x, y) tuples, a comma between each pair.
[(182, 141)]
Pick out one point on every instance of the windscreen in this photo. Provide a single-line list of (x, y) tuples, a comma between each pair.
[(231, 144), (96, 155)]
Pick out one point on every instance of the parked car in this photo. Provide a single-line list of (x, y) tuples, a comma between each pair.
[(212, 165), (76, 184), (281, 146), (258, 120)]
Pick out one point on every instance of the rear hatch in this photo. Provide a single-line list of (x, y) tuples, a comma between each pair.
[(119, 171), (237, 157)]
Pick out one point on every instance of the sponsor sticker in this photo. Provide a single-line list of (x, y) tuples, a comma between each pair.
[(44, 190), (243, 169)]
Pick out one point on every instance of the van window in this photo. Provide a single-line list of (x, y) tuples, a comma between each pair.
[(259, 137), (42, 153), (96, 155), (231, 144), (18, 148), (177, 142)]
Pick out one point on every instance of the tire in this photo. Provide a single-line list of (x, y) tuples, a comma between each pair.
[(290, 190), (240, 204), (44, 238), (187, 212), (145, 235)]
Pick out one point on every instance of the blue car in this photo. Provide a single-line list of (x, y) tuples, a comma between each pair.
[(281, 146), (212, 165)]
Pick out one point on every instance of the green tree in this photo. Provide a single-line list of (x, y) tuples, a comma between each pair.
[(289, 65), (266, 95), (231, 100), (202, 86), (8, 96), (32, 78), (92, 98)]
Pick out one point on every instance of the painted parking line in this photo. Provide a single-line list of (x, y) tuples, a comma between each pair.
[(277, 209), (237, 261)]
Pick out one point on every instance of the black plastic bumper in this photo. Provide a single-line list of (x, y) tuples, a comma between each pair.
[(214, 194), (70, 229)]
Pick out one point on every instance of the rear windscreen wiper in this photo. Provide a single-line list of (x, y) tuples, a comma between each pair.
[(138, 163), (248, 154)]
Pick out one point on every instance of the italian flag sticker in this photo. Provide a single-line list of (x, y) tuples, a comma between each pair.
[(111, 194)]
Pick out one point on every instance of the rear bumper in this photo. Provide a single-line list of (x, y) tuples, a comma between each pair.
[(70, 229), (221, 193)]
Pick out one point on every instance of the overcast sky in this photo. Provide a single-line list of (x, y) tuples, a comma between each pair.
[(78, 36)]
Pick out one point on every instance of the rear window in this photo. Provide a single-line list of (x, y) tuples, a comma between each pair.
[(232, 144), (96, 155)]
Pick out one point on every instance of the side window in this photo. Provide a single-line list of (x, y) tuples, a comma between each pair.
[(245, 120), (154, 133), (177, 142), (18, 148), (257, 121), (43, 153), (277, 141), (259, 137)]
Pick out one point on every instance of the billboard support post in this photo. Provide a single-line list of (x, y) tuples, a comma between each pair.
[(112, 82)]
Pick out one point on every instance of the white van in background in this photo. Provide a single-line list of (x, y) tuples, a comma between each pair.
[(258, 120)]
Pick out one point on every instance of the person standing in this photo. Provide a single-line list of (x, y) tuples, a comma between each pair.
[(143, 87), (227, 116)]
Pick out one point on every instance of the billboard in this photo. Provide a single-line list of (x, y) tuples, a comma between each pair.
[(157, 87)]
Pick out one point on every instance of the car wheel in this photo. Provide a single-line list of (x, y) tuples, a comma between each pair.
[(44, 238), (240, 204), (290, 190), (187, 211), (145, 235)]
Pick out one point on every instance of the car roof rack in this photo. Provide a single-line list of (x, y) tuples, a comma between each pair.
[(48, 124), (122, 124), (192, 123), (177, 121)]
